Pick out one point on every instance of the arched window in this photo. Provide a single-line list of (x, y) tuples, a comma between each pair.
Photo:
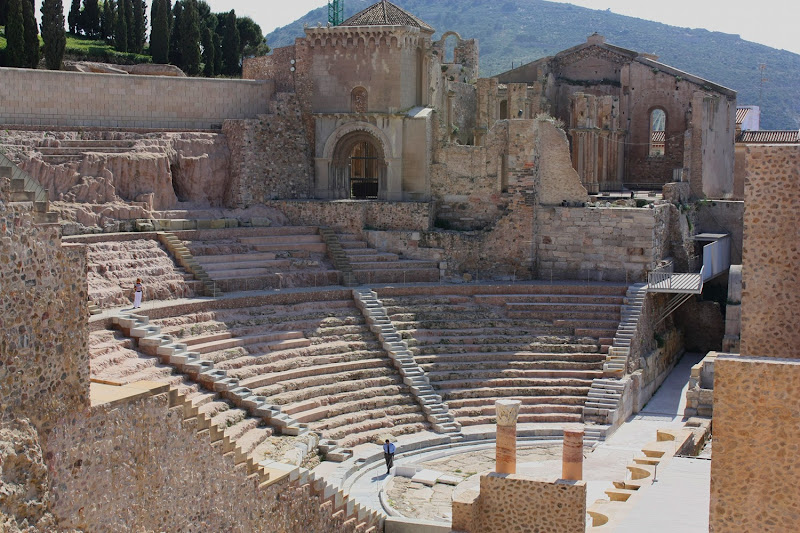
[(658, 134), (359, 100)]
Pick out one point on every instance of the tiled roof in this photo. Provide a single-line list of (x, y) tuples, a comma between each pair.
[(741, 112), (770, 136), (385, 14)]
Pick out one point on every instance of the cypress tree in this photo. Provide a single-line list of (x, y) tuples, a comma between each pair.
[(121, 29), (32, 52), (190, 38), (217, 42), (139, 25), (15, 35), (230, 45), (107, 20), (90, 18), (208, 52), (74, 17), (175, 56), (55, 40), (159, 32), (130, 24), (3, 12)]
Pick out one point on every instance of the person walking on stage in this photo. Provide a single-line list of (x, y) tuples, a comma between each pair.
[(137, 293), (388, 454)]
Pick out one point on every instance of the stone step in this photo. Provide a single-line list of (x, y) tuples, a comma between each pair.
[(290, 240), (207, 260), (309, 247)]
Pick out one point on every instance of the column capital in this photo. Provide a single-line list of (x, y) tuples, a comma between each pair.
[(507, 412)]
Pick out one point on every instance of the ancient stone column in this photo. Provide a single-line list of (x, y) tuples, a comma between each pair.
[(506, 452), (572, 461)]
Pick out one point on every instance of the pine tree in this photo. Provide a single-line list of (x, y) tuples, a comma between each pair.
[(190, 38), (130, 24), (230, 45), (90, 18), (55, 40), (32, 52), (15, 35), (74, 17), (121, 29), (208, 52), (107, 20), (159, 32), (175, 56)]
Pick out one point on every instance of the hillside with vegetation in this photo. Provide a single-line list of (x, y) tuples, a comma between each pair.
[(514, 32)]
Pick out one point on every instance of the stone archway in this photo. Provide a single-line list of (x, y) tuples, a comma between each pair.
[(358, 167)]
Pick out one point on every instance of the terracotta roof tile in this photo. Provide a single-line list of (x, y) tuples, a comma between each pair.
[(770, 136), (385, 14)]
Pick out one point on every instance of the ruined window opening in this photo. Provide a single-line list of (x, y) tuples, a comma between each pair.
[(503, 109), (359, 100), (658, 140), (450, 44), (364, 171)]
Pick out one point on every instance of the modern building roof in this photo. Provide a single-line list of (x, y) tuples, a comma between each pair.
[(741, 113), (386, 14), (770, 137)]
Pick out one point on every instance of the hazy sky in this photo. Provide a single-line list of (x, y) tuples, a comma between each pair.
[(775, 23)]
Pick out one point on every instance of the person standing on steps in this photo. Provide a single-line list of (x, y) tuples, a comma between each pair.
[(388, 455), (137, 293)]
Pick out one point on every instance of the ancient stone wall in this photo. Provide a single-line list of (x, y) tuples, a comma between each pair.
[(277, 66), (754, 472), (44, 358), (137, 467), (355, 217), (270, 156), (510, 503), (770, 279), (119, 101), (599, 244)]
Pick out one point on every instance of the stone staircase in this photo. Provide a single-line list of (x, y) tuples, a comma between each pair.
[(25, 189), (184, 258), (151, 341), (338, 256), (60, 151), (435, 411), (605, 396), (260, 258), (353, 516), (542, 344), (369, 266)]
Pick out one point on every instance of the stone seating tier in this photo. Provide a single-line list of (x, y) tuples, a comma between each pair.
[(317, 361), (369, 266), (541, 343), (114, 266)]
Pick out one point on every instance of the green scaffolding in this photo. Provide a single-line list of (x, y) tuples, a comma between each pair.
[(335, 12)]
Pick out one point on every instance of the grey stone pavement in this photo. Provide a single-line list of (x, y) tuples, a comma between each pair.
[(677, 502)]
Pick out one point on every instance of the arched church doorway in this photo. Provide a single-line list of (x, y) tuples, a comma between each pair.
[(359, 166)]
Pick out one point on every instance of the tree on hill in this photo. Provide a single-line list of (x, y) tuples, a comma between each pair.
[(251, 39), (107, 20), (121, 28), (230, 45), (15, 35), (32, 52), (90, 18), (55, 39), (190, 37), (159, 32), (74, 17)]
